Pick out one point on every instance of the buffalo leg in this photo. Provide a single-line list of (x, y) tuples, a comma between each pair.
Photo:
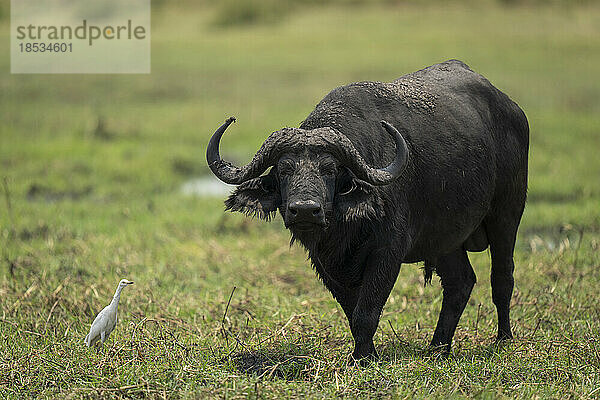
[(502, 234), (458, 280), (378, 281), (346, 297), (347, 300)]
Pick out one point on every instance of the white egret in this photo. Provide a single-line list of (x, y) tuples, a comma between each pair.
[(106, 319)]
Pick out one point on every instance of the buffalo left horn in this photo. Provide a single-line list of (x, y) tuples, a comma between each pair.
[(352, 159)]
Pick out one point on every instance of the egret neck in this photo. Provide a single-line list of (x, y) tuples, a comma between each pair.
[(115, 300)]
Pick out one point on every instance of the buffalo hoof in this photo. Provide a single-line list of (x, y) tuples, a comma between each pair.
[(363, 356), (363, 361), (503, 337), (438, 350)]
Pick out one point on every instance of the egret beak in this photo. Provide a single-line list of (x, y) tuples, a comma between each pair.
[(130, 283)]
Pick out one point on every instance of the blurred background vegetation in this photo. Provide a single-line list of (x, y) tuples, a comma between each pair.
[(241, 12), (234, 12), (92, 169)]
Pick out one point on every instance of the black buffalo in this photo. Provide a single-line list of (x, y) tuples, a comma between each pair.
[(452, 179)]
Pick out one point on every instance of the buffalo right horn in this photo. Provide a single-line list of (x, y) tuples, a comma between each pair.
[(229, 173)]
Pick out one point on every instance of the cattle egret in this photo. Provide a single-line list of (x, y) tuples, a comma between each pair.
[(106, 320)]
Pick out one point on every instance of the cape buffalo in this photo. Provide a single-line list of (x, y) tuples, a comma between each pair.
[(452, 179)]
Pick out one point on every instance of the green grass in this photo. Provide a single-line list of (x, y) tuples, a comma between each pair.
[(86, 211)]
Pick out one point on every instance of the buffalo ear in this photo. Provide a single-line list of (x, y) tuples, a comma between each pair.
[(258, 197), (356, 199)]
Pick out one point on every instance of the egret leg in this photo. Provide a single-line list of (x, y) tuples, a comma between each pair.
[(103, 336)]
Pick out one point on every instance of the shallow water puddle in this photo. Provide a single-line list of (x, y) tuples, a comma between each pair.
[(207, 186)]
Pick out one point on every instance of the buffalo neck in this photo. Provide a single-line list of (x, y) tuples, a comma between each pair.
[(339, 253)]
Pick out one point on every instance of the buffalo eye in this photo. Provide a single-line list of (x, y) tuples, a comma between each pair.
[(328, 169), (347, 187)]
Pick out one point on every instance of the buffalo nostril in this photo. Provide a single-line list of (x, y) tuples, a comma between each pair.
[(305, 210)]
